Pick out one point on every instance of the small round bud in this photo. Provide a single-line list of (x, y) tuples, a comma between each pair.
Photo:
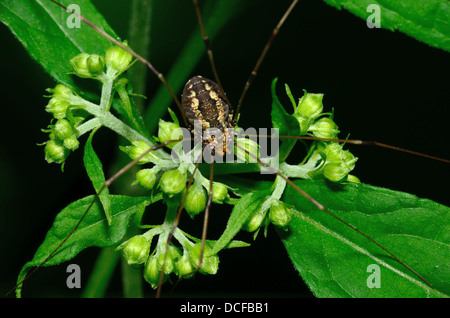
[(55, 151), (118, 59), (335, 171), (324, 128), (220, 192), (57, 106), (172, 182), (136, 249), (95, 64), (80, 65), (279, 215), (152, 272), (184, 268), (210, 263), (334, 152), (146, 178), (169, 131), (254, 221), (170, 259), (138, 148), (251, 151), (310, 105), (195, 199), (71, 143), (63, 129), (61, 91)]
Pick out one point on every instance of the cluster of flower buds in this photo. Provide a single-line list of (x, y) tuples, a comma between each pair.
[(309, 113), (63, 134), (172, 182), (183, 265), (337, 163), (183, 262), (278, 214), (115, 62)]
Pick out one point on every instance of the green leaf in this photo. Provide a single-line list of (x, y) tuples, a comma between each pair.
[(41, 27), (94, 169), (128, 110), (425, 20), (286, 123), (248, 204), (333, 259), (93, 230), (241, 186)]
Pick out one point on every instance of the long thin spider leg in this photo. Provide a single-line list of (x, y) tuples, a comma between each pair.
[(209, 50), (105, 185), (322, 208), (206, 215), (360, 142), (136, 55), (174, 226), (262, 56), (373, 143)]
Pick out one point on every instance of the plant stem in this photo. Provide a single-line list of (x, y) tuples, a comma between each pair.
[(102, 273)]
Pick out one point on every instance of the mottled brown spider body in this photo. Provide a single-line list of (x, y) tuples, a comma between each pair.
[(204, 101)]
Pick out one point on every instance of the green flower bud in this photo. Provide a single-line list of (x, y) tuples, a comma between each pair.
[(250, 146), (279, 215), (210, 263), (55, 151), (184, 268), (95, 64), (254, 221), (138, 148), (335, 171), (71, 143), (169, 131), (220, 192), (135, 250), (57, 106), (338, 162), (310, 105), (61, 91), (118, 59), (146, 178), (172, 182), (63, 129), (152, 272), (324, 128), (173, 255), (334, 152), (80, 65), (195, 199)]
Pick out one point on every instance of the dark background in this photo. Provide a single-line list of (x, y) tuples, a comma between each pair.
[(383, 86)]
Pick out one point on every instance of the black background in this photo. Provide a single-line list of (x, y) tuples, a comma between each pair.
[(383, 85)]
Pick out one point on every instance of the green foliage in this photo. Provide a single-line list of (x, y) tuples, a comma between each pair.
[(41, 28), (425, 20), (331, 258), (93, 230)]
